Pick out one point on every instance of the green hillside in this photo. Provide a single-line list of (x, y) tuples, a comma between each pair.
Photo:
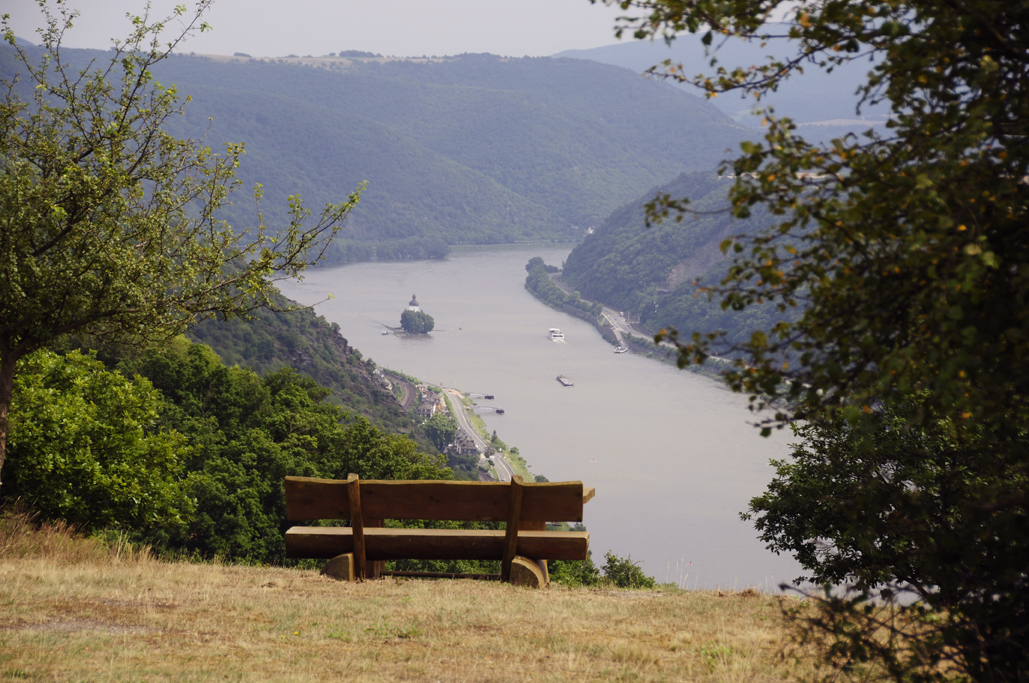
[(650, 273), (308, 343), (473, 149)]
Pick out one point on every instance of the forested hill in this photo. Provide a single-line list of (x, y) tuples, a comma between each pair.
[(305, 341), (650, 272), (468, 149)]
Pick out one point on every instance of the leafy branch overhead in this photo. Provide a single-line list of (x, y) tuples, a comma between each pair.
[(899, 265), (109, 225), (901, 246)]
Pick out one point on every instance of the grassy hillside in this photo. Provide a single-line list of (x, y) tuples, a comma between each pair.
[(469, 149), (77, 609)]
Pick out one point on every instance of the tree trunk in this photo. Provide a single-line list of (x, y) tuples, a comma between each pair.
[(7, 363)]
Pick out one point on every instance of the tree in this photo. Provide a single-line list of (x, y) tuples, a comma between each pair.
[(441, 430), (86, 447), (108, 226), (900, 513), (906, 252), (246, 434), (416, 322)]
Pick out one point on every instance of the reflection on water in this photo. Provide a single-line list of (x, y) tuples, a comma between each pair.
[(670, 452)]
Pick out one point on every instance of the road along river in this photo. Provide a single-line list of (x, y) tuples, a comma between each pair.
[(503, 468), (671, 453)]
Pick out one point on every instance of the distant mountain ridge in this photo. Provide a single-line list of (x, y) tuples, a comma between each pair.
[(473, 149), (820, 102)]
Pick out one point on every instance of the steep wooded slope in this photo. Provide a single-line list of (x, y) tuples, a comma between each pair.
[(654, 273)]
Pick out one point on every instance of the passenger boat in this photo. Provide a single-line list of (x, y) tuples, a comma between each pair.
[(565, 381), (555, 334)]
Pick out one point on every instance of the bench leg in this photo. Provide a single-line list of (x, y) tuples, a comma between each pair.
[(341, 568), (373, 569), (528, 573)]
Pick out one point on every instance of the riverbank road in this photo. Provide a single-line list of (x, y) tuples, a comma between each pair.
[(504, 470), (503, 467), (619, 325), (614, 318)]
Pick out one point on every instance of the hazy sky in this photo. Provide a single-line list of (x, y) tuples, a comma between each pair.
[(272, 28)]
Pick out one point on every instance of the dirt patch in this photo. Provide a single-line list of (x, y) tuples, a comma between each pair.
[(80, 626)]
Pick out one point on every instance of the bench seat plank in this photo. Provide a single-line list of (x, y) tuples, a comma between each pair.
[(433, 544), (308, 499)]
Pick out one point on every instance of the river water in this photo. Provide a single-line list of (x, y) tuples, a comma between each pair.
[(671, 453)]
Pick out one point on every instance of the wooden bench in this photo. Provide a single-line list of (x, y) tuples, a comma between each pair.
[(360, 550)]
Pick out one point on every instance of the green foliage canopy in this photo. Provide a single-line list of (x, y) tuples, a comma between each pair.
[(661, 274), (107, 223), (906, 248), (906, 252), (270, 340), (87, 447), (247, 433), (539, 282), (441, 430), (625, 573), (416, 322), (919, 514)]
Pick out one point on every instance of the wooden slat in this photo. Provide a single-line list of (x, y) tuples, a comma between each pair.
[(444, 575), (308, 498), (434, 544), (514, 516), (587, 496)]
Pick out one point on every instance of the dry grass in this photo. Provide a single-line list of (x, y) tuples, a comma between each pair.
[(76, 610)]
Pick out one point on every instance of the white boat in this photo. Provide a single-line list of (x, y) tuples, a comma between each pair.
[(555, 335), (622, 349), (385, 332)]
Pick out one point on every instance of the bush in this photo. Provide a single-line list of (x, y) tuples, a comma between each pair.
[(622, 572), (625, 573), (575, 574), (86, 447)]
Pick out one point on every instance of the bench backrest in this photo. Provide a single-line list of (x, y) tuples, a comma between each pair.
[(308, 499)]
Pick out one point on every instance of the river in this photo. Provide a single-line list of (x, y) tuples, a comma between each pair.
[(671, 453)]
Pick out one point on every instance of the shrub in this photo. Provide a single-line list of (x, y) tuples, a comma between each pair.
[(625, 573)]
